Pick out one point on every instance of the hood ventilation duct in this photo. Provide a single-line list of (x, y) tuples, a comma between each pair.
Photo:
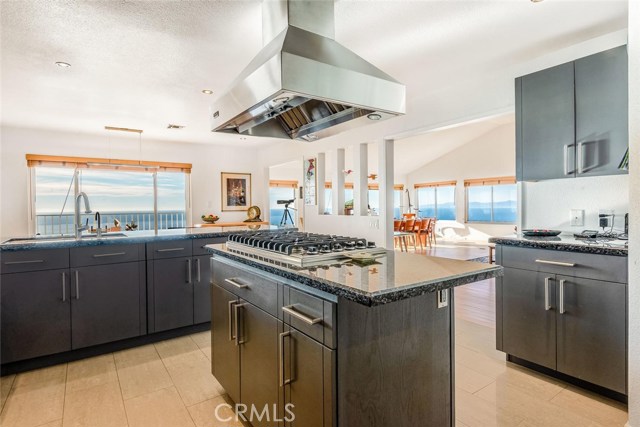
[(303, 84)]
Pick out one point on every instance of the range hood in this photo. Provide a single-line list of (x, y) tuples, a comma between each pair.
[(303, 84)]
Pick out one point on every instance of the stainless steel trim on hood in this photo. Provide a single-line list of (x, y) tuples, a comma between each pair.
[(303, 85)]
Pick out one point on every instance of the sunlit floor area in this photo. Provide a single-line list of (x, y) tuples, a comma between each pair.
[(169, 384)]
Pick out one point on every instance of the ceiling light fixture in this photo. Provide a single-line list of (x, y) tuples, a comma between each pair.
[(172, 126), (536, 1), (374, 116), (63, 64), (207, 91)]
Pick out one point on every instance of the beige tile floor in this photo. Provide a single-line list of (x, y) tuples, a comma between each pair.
[(169, 384)]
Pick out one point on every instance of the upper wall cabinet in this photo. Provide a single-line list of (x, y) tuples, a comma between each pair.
[(572, 119)]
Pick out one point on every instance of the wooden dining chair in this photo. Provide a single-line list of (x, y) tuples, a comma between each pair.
[(409, 224), (396, 228), (422, 232), (432, 231)]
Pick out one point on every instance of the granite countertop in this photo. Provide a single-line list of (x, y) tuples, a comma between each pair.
[(131, 237), (567, 243), (394, 276)]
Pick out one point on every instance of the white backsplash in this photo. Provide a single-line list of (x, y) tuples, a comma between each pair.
[(548, 203)]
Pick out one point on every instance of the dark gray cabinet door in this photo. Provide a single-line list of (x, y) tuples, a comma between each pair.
[(602, 134), (592, 331), (36, 318), (202, 289), (105, 303), (528, 324), (546, 139), (258, 334), (225, 354), (172, 293), (306, 374)]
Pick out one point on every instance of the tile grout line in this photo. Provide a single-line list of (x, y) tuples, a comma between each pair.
[(113, 355), (4, 404), (64, 395)]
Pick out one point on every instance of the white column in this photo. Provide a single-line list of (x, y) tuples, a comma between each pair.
[(320, 176), (337, 191), (633, 49), (360, 188), (385, 180)]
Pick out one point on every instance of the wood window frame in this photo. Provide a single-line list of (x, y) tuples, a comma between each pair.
[(35, 160)]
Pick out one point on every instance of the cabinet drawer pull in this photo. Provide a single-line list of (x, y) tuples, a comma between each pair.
[(283, 381), (77, 284), (189, 271), (231, 334), (64, 286), (566, 159), (308, 320), (562, 282), (239, 328), (547, 283), (236, 284), (108, 255), (33, 261), (170, 250), (198, 278), (558, 263)]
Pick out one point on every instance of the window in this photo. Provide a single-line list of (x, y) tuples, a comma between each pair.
[(398, 205), (437, 200), (373, 197), (283, 191), (123, 194), (492, 200)]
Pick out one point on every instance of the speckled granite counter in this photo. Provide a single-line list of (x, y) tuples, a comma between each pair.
[(393, 277), (566, 243), (131, 237)]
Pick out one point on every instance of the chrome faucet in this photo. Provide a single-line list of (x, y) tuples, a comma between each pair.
[(87, 209), (99, 229)]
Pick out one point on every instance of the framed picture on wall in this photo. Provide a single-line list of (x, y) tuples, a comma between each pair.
[(236, 191), (310, 181)]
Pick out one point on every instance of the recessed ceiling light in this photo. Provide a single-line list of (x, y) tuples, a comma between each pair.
[(172, 126), (207, 91), (63, 64), (374, 116), (536, 1)]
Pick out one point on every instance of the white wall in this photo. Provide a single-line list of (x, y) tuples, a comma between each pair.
[(634, 211), (547, 204), (490, 155), (208, 162)]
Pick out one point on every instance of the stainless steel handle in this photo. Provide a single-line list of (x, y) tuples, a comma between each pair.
[(283, 382), (189, 271), (33, 261), (198, 270), (110, 254), (558, 263), (170, 250), (236, 284), (64, 286), (77, 284), (231, 335), (566, 159), (236, 313), (547, 283), (579, 159), (561, 310), (308, 320)]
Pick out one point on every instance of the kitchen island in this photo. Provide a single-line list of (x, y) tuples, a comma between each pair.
[(561, 308), (344, 343)]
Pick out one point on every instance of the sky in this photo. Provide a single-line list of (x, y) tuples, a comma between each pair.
[(109, 191)]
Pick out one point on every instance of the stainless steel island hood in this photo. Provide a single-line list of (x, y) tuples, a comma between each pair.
[(303, 84)]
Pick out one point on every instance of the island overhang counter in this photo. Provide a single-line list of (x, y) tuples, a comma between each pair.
[(344, 343)]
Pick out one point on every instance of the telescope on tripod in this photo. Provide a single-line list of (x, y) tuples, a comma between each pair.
[(287, 215)]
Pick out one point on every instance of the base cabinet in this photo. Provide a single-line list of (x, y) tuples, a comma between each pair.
[(36, 314), (574, 325), (202, 289), (172, 293), (225, 354)]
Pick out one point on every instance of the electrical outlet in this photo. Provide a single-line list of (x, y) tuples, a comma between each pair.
[(605, 218), (577, 217)]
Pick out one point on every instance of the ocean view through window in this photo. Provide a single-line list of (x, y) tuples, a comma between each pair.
[(436, 202), (492, 203), (123, 197)]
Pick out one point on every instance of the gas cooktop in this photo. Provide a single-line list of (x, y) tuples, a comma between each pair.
[(298, 248)]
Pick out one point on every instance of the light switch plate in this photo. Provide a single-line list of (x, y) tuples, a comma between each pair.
[(577, 217)]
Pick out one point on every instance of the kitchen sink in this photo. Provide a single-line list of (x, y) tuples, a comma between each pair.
[(37, 239)]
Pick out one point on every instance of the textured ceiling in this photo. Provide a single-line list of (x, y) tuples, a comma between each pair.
[(142, 64)]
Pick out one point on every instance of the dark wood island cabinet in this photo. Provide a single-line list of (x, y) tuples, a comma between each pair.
[(339, 345)]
